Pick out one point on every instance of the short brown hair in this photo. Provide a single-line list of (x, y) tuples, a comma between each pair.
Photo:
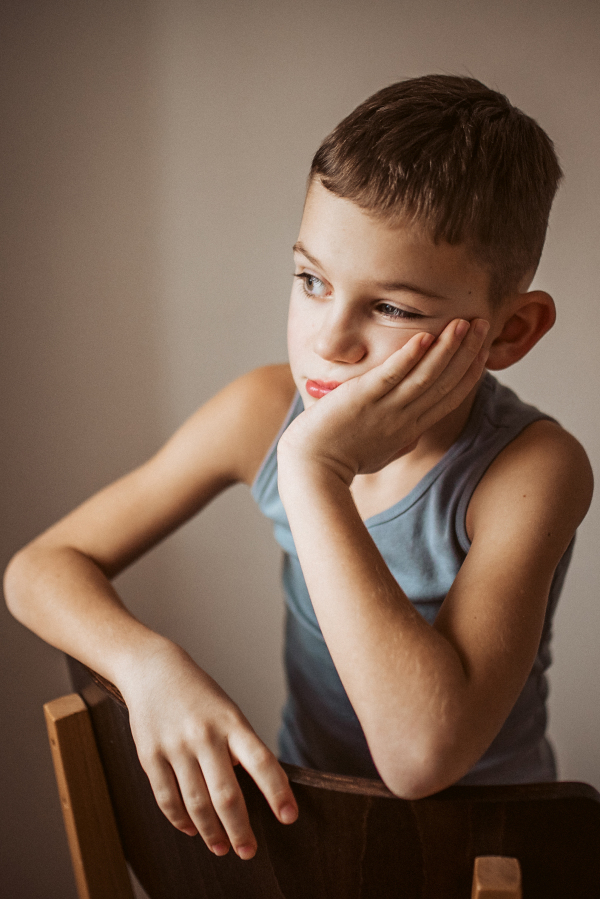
[(455, 155)]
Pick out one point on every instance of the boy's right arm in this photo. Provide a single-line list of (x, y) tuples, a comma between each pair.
[(188, 733)]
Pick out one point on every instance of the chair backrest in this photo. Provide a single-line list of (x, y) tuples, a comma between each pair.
[(353, 839)]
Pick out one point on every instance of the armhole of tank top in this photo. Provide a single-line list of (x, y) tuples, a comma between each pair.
[(255, 488), (460, 524)]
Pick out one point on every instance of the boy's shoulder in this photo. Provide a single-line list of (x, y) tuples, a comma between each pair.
[(253, 408), (276, 377), (264, 394), (543, 479)]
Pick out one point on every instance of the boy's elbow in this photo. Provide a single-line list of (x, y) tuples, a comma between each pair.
[(16, 578), (413, 781), (420, 771), (10, 584)]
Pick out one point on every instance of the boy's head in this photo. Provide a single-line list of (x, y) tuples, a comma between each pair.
[(428, 203), (456, 157)]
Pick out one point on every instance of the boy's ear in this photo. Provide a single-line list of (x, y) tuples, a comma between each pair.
[(528, 317)]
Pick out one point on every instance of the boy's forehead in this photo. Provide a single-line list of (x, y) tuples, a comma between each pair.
[(343, 238)]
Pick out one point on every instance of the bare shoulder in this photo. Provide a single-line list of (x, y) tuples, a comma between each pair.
[(252, 409), (231, 433), (543, 476)]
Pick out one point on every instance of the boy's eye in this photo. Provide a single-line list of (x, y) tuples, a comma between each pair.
[(311, 285), (391, 311)]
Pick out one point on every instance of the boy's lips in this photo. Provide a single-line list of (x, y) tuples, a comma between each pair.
[(317, 389)]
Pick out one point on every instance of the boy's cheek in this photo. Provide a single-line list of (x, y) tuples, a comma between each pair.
[(398, 340), (298, 333)]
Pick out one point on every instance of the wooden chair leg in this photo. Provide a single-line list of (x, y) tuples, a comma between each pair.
[(96, 853), (496, 877)]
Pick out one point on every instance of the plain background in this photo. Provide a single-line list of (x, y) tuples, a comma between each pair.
[(153, 164)]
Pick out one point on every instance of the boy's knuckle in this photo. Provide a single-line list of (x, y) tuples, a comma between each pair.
[(261, 757), (391, 378), (172, 747), (422, 382), (442, 389), (201, 734), (199, 806), (170, 805), (226, 798)]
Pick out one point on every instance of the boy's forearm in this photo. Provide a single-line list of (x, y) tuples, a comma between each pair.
[(404, 679), (186, 729), (63, 596)]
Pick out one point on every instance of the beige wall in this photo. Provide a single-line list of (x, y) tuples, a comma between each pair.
[(154, 163)]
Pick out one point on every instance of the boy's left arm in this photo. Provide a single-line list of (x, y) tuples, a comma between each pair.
[(431, 699)]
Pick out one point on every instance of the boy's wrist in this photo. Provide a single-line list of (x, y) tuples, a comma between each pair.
[(153, 651), (299, 476), (296, 460)]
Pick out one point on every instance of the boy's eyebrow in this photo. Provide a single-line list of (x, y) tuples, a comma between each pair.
[(300, 248), (390, 286), (381, 285)]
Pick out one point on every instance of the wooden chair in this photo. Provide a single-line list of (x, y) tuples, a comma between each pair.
[(352, 840)]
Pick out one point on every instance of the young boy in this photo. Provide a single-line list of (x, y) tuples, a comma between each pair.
[(426, 513)]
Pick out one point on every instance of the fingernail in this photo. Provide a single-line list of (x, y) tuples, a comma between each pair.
[(427, 340), (481, 327), (246, 851), (461, 329), (288, 814), (220, 848)]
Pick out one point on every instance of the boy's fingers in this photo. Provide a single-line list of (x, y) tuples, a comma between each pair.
[(407, 370), (227, 805), (381, 380), (168, 798), (456, 374), (269, 776), (447, 363), (202, 794), (453, 398), (199, 801)]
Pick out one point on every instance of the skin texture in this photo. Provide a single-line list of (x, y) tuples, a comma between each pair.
[(402, 325), (456, 680)]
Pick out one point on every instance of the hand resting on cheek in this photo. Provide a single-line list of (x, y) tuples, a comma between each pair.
[(373, 419)]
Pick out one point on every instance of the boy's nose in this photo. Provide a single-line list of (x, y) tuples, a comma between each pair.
[(339, 339)]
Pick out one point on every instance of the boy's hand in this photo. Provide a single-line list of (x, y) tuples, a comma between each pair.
[(189, 735), (370, 420)]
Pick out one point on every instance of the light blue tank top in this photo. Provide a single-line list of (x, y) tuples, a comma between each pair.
[(424, 542)]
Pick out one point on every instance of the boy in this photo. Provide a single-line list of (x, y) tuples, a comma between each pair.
[(426, 513)]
